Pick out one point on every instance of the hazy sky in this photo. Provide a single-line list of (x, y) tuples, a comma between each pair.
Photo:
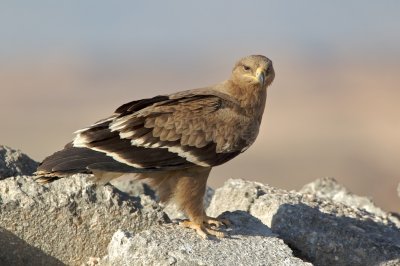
[(196, 27)]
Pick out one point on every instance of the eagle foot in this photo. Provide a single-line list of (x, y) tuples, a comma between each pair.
[(217, 222), (203, 230)]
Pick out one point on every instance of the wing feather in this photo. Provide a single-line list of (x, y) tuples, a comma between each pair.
[(169, 132)]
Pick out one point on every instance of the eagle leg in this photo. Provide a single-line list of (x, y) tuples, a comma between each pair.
[(187, 188)]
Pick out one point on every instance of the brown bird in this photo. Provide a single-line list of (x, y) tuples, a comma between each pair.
[(173, 140)]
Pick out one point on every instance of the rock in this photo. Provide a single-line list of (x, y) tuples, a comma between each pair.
[(14, 162), (317, 228), (329, 188), (70, 219), (250, 243), (395, 262), (15, 251), (133, 187)]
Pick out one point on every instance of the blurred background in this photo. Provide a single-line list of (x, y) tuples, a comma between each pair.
[(333, 109)]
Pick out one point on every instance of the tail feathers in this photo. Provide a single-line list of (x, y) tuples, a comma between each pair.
[(72, 160)]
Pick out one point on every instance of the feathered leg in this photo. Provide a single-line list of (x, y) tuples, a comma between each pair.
[(187, 188), (189, 195)]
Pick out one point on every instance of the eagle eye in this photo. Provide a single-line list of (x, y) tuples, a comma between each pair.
[(246, 68)]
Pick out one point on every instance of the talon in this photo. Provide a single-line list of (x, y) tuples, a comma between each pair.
[(195, 226), (202, 230), (226, 222), (217, 222), (216, 233)]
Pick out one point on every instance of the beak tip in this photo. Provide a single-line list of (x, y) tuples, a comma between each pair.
[(261, 78)]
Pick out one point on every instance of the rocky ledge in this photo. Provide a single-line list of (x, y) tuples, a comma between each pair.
[(76, 222)]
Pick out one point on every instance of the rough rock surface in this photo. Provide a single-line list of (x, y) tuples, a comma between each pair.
[(250, 243), (14, 162), (329, 188), (320, 230), (70, 219), (15, 251), (133, 187)]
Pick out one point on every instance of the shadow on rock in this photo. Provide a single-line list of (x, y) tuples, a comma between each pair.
[(15, 251), (245, 224), (328, 239)]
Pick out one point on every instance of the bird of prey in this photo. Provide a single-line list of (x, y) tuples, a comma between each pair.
[(173, 140)]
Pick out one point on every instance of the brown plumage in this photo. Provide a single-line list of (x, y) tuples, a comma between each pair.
[(173, 140)]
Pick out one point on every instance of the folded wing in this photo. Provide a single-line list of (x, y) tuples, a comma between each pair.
[(160, 133)]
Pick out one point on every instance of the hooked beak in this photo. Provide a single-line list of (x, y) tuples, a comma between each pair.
[(260, 75)]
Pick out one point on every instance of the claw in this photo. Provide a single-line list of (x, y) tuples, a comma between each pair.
[(217, 222), (202, 230), (195, 226), (213, 232)]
